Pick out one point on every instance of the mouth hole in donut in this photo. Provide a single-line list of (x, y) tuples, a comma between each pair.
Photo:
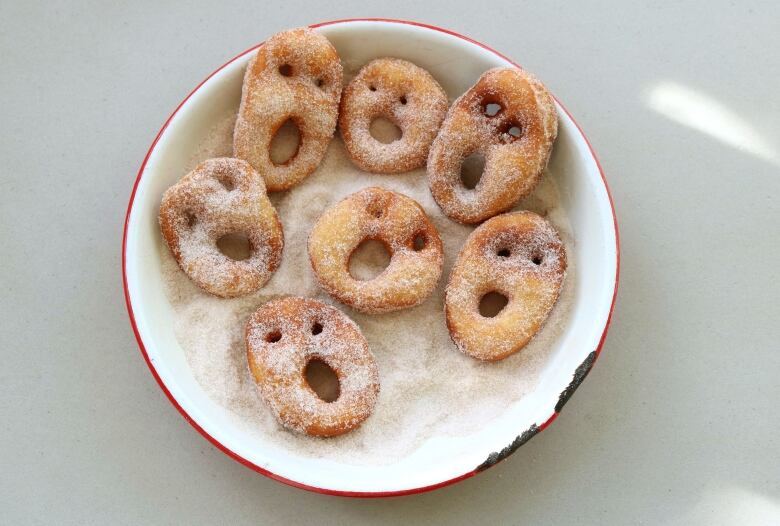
[(384, 131), (491, 109), (286, 70), (273, 336), (285, 143), (375, 209), (403, 99), (235, 246), (368, 260), (492, 304), (190, 219), (504, 253), (471, 170), (322, 379), (316, 328), (419, 242)]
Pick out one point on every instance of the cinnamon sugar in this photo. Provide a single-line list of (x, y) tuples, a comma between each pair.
[(428, 388)]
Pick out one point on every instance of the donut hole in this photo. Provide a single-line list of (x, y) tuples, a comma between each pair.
[(419, 242), (322, 379), (491, 109), (384, 131), (225, 181), (235, 246), (286, 70), (368, 260), (504, 253), (471, 170), (492, 304), (511, 131), (285, 143), (273, 336), (403, 99), (316, 328)]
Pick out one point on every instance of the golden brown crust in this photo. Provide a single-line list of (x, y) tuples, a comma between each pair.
[(281, 339), (219, 197), (406, 95), (388, 217), (295, 75), (518, 255), (516, 143)]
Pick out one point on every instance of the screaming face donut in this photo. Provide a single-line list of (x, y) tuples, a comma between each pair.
[(509, 118), (221, 197), (283, 337), (519, 256), (401, 225), (296, 75), (406, 95)]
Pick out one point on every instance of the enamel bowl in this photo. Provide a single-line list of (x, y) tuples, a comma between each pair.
[(456, 62)]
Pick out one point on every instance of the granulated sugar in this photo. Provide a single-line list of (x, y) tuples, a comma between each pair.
[(428, 388)]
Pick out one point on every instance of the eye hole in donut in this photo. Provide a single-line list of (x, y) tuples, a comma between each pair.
[(273, 336), (322, 379), (511, 131), (235, 246), (419, 242), (537, 259), (368, 260), (372, 87), (375, 209), (320, 83), (492, 304), (286, 70), (491, 109), (471, 170), (285, 143), (190, 219), (225, 181), (504, 253), (403, 99), (384, 131), (316, 328)]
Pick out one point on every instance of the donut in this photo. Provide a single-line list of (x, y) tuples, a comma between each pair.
[(507, 117), (283, 337), (406, 95), (296, 75), (220, 197), (518, 255), (401, 225)]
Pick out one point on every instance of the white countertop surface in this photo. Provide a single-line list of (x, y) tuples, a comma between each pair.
[(678, 422)]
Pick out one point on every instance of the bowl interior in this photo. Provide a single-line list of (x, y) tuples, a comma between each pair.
[(456, 63)]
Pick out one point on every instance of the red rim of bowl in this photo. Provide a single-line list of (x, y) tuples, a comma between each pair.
[(218, 444)]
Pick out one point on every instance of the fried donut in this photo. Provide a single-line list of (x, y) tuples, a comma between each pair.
[(406, 95), (401, 225), (220, 197), (283, 337), (296, 75), (518, 255), (509, 118)]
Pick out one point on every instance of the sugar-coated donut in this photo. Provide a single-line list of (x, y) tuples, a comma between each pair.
[(282, 337), (396, 221), (406, 95), (296, 75), (220, 197), (509, 118), (518, 255)]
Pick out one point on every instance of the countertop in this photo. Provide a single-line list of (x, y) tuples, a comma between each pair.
[(677, 423)]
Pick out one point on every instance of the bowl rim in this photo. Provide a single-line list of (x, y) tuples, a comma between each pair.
[(578, 376)]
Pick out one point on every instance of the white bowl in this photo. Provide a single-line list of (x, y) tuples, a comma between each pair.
[(456, 61)]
